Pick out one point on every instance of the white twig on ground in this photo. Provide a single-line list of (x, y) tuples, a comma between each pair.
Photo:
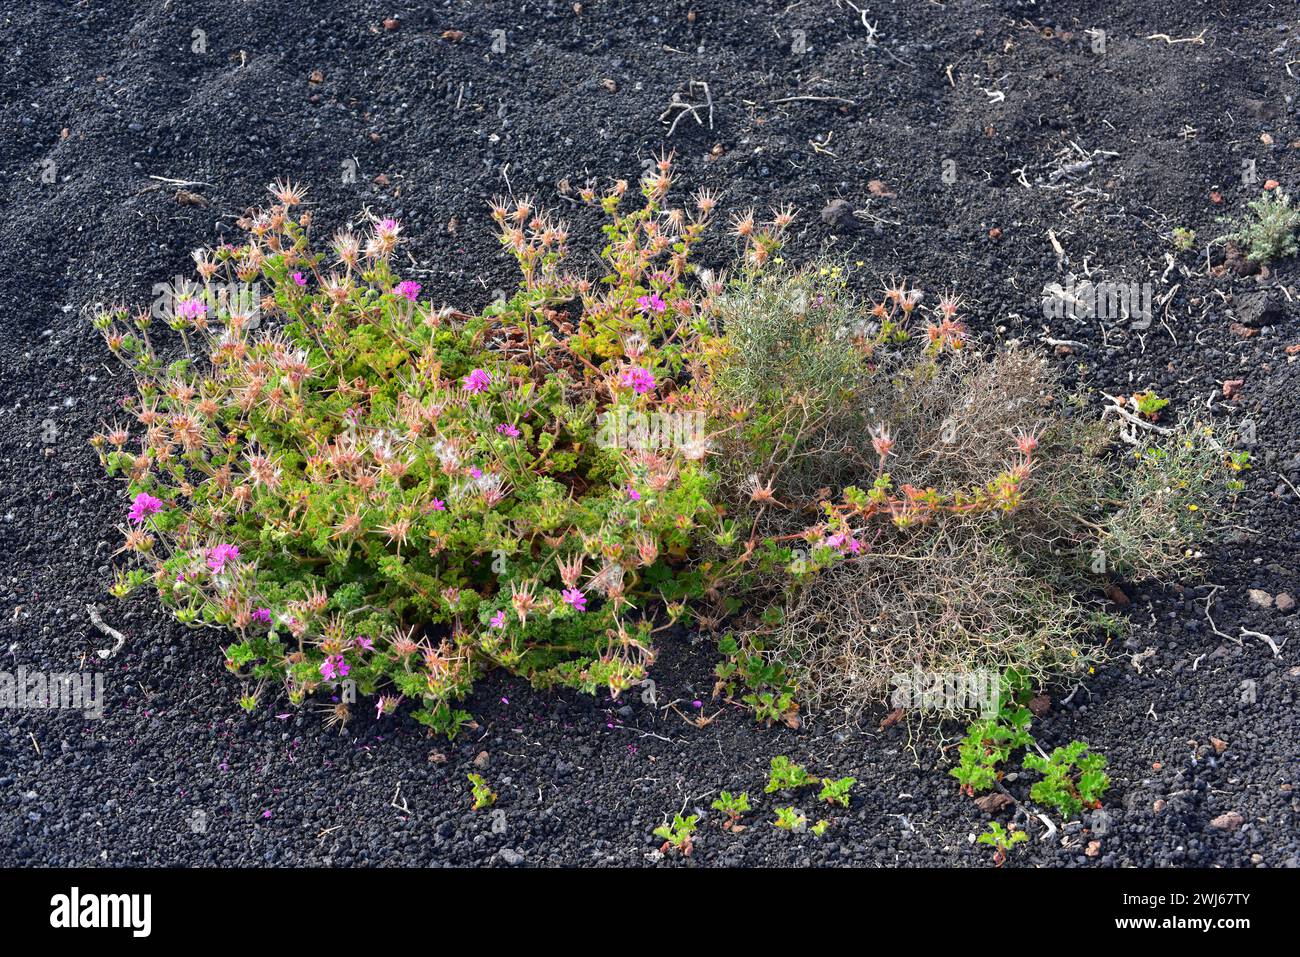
[(1199, 39), (119, 639), (1133, 421), (1247, 633), (683, 108), (818, 99), (179, 182), (1047, 822)]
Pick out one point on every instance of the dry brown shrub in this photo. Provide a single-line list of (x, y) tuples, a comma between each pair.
[(957, 592)]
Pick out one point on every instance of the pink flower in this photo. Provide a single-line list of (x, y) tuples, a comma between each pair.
[(365, 643), (438, 505), (476, 381), (499, 619), (475, 471), (633, 495), (144, 505), (846, 543), (299, 279), (334, 667), (651, 303), (262, 615), (408, 289), (575, 598), (188, 308), (639, 379), (387, 227), (223, 553), (505, 428)]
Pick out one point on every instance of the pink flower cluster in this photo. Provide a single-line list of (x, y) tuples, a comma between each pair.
[(219, 556), (189, 308), (334, 667), (144, 505), (476, 381), (651, 303), (638, 379), (844, 541)]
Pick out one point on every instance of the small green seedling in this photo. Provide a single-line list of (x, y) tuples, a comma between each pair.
[(1001, 841), (1272, 233), (1149, 404), (787, 776), (677, 836), (733, 806), (484, 796), (1072, 778), (1238, 462), (791, 819), (820, 827), (1183, 238), (837, 792)]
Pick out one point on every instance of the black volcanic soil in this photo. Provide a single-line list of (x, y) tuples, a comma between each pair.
[(102, 103)]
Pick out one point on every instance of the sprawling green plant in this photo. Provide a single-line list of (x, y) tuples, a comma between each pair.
[(989, 741), (376, 494), (368, 488)]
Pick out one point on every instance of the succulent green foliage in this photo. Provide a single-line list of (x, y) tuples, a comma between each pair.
[(989, 741)]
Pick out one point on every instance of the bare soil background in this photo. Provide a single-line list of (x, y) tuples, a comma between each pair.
[(102, 103)]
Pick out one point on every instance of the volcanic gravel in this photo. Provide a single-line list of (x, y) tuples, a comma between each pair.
[(103, 105)]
